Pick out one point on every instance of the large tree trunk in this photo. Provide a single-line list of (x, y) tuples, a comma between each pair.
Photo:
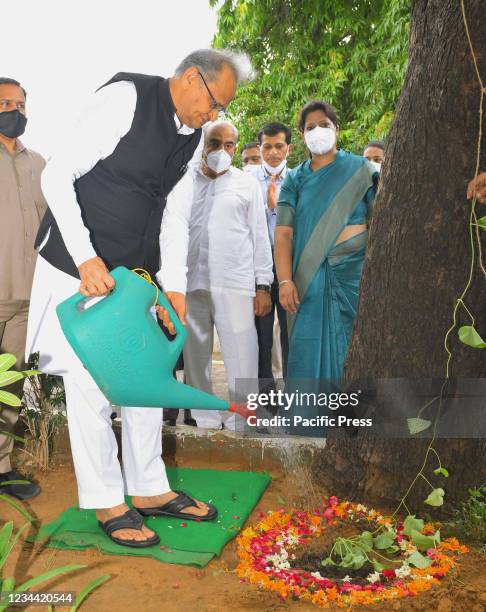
[(418, 255)]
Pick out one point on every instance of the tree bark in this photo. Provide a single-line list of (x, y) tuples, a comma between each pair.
[(418, 255)]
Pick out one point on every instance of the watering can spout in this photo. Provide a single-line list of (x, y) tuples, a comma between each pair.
[(121, 345)]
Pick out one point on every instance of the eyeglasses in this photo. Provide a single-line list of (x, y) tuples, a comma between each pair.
[(215, 105)]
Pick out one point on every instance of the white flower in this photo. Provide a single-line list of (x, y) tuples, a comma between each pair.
[(403, 571), (361, 508), (316, 575), (279, 560), (374, 577), (291, 539), (346, 579), (428, 577)]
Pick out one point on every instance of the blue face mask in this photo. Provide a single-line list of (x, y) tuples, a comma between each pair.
[(12, 123)]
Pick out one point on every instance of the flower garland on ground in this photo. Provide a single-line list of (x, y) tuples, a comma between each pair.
[(266, 548)]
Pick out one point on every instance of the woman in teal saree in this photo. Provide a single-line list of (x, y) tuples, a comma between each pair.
[(320, 241)]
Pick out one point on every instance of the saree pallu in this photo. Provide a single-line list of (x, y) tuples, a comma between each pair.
[(322, 329), (318, 205)]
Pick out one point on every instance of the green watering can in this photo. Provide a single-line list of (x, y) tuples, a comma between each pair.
[(121, 345)]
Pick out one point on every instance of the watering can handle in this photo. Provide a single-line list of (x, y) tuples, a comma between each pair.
[(178, 342)]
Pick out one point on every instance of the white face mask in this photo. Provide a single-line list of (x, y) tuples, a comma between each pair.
[(320, 140), (219, 161), (252, 169), (273, 171), (375, 165)]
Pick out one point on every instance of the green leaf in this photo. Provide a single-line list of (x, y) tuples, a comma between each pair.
[(7, 360), (378, 567), (47, 576), (7, 586), (11, 544), (10, 377), (418, 560), (482, 222), (416, 425), (436, 497), (424, 542), (81, 596), (365, 541), (5, 535), (468, 335), (384, 540), (31, 372), (13, 436), (327, 561), (412, 523), (340, 547), (441, 470), (8, 500), (9, 398), (354, 560)]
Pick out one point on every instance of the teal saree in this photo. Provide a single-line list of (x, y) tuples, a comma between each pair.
[(318, 205)]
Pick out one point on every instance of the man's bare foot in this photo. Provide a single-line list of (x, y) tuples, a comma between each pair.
[(159, 500), (104, 514)]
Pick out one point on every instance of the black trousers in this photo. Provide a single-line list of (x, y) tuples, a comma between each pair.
[(264, 327)]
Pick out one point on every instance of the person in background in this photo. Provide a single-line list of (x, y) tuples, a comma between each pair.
[(477, 187), (251, 158), (374, 152), (320, 242), (229, 268), (275, 147), (22, 206), (107, 189)]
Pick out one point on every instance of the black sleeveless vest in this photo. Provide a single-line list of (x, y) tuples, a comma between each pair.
[(123, 197)]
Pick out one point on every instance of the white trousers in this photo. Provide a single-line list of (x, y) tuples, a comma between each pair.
[(101, 483), (233, 316)]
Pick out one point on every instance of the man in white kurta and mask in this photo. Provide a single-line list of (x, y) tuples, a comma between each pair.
[(107, 190), (229, 268)]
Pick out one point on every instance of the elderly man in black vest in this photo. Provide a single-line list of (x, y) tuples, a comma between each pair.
[(107, 190)]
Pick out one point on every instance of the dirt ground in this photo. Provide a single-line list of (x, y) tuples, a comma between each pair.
[(148, 585)]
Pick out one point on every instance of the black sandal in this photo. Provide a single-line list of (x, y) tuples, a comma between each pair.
[(130, 520), (174, 506)]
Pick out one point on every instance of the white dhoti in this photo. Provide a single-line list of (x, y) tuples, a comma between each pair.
[(101, 483), (233, 316)]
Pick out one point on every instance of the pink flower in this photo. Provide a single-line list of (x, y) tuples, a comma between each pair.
[(183, 524), (432, 553), (333, 501), (329, 514)]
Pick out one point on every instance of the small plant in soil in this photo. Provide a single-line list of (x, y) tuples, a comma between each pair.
[(469, 519)]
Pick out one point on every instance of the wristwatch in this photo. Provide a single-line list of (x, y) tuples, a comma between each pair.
[(263, 288)]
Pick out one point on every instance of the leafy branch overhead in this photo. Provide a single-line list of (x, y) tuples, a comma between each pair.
[(352, 54)]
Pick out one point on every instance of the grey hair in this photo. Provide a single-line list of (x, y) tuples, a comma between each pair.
[(210, 125), (211, 61)]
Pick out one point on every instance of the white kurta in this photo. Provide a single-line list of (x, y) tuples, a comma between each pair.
[(228, 253), (101, 483)]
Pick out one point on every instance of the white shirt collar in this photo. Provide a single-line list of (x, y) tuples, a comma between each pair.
[(181, 128)]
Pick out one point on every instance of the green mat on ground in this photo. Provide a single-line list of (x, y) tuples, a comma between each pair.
[(235, 494)]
